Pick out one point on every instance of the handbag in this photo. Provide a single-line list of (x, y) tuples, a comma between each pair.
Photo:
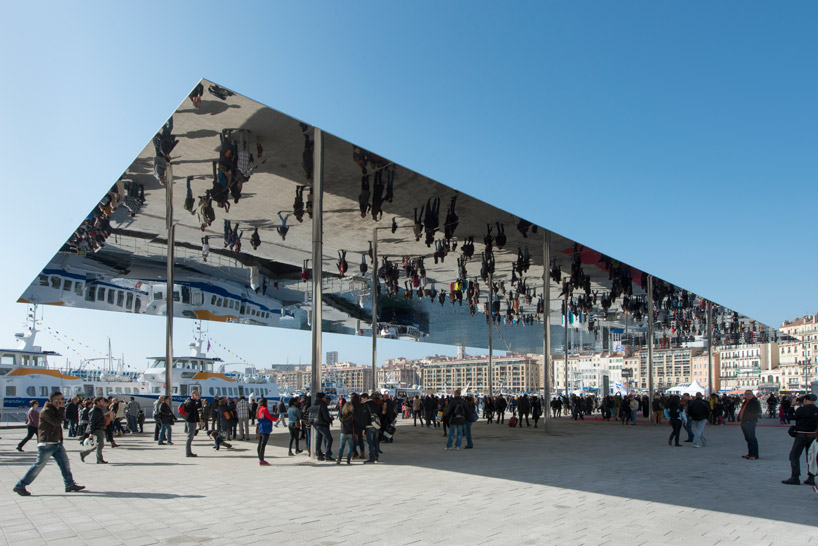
[(791, 431)]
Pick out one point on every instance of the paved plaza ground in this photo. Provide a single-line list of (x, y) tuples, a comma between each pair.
[(589, 483)]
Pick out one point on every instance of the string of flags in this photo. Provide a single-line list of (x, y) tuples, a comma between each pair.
[(241, 359), (63, 338)]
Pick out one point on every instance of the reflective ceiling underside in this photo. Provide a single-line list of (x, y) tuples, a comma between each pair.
[(242, 177)]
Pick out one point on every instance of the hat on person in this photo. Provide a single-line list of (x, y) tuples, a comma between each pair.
[(811, 397)]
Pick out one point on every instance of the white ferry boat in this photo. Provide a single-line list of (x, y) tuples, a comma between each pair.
[(399, 390)]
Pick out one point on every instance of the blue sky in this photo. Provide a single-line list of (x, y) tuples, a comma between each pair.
[(679, 137)]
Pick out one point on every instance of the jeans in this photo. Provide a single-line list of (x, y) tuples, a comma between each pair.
[(749, 430), (323, 431), (294, 435), (467, 426), (677, 428), (132, 425), (689, 430), (698, 433), (43, 454), (165, 433), (72, 428), (191, 433), (799, 443), (262, 445), (244, 428), (452, 430), (282, 418), (346, 441), (372, 442)]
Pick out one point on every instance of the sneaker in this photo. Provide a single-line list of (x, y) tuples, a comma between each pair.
[(696, 445), (191, 455), (102, 462), (263, 463), (22, 491), (791, 481), (447, 449), (810, 481), (20, 449), (161, 443), (457, 448), (291, 454), (369, 461), (75, 487), (337, 461), (329, 458), (83, 455), (169, 443)]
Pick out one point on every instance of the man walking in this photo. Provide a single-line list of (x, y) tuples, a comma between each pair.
[(524, 407), (698, 410), (192, 407), (96, 428), (49, 437), (321, 421), (73, 415), (748, 417), (806, 424), (688, 423)]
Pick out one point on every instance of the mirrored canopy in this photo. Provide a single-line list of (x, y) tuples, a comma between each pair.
[(242, 177)]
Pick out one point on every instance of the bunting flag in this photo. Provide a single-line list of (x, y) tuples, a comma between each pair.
[(68, 341), (234, 355)]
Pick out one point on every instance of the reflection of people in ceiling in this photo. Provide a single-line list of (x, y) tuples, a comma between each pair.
[(309, 204), (377, 196), (418, 226), (282, 228), (163, 145), (500, 239), (206, 213), (363, 197), (196, 96), (305, 271), (255, 240), (431, 220), (342, 264), (219, 192), (452, 220), (205, 247), (298, 204), (189, 201), (364, 267), (390, 183), (306, 157)]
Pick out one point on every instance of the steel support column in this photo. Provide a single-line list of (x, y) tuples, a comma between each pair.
[(169, 277), (651, 320), (317, 271), (491, 333), (710, 384), (374, 309), (546, 261)]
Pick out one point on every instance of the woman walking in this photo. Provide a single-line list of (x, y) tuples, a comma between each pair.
[(32, 422), (294, 419)]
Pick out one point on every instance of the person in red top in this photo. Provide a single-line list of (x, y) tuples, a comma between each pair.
[(265, 427)]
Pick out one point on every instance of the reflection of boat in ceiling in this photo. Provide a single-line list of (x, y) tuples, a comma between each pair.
[(74, 281)]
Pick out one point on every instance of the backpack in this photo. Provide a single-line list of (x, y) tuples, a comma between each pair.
[(183, 409), (459, 415), (314, 414)]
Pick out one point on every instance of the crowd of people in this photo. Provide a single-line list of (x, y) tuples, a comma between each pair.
[(369, 420)]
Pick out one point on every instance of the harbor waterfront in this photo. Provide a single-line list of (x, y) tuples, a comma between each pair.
[(589, 482)]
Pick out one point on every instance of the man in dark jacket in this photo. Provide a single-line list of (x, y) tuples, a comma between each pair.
[(748, 417), (806, 424), (321, 421), (49, 438), (371, 415), (73, 415), (698, 411), (96, 428), (192, 407), (458, 414), (524, 407)]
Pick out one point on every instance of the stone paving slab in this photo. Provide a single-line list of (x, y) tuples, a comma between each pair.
[(588, 483)]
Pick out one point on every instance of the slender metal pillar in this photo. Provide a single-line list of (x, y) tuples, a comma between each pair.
[(650, 348), (317, 271), (374, 309), (169, 277), (491, 333), (546, 261), (565, 319), (710, 384)]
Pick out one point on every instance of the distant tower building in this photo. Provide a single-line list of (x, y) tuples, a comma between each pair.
[(461, 352), (332, 358)]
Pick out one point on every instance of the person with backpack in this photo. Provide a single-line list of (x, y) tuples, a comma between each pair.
[(166, 418), (96, 427), (190, 411), (371, 412), (473, 416), (282, 411), (457, 413), (294, 414)]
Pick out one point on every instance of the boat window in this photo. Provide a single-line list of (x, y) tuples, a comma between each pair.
[(31, 391), (11, 390), (78, 289), (212, 300), (66, 285), (129, 301), (183, 389), (137, 305), (212, 391), (111, 296), (219, 302), (185, 294), (101, 294), (25, 360), (176, 295), (43, 280), (99, 391), (55, 282), (7, 360), (127, 390), (41, 361), (242, 309), (55, 389), (155, 390), (108, 390), (118, 390), (90, 293), (43, 391), (197, 298), (158, 296)]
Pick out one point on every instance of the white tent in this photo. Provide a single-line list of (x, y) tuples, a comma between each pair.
[(687, 388)]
